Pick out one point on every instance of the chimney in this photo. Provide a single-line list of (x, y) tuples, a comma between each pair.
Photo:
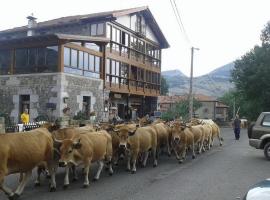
[(32, 23)]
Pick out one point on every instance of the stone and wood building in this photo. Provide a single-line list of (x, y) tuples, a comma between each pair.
[(210, 108), (103, 62)]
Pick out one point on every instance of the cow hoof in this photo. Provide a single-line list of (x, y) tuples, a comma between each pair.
[(127, 169), (193, 156), (48, 176), (52, 189), (14, 197), (180, 161), (85, 185), (143, 166), (115, 164), (220, 144), (169, 154), (154, 165), (133, 172), (74, 179), (110, 173), (65, 186), (95, 180), (37, 184)]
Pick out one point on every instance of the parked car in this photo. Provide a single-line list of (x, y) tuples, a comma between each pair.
[(260, 191), (259, 133)]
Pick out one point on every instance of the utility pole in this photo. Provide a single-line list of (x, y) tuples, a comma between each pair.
[(191, 84)]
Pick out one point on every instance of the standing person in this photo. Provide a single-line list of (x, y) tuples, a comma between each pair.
[(25, 117), (236, 127)]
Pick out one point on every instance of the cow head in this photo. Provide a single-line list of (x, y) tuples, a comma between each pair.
[(177, 131), (124, 133), (67, 151)]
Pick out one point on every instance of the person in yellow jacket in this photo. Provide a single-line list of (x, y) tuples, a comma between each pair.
[(25, 117)]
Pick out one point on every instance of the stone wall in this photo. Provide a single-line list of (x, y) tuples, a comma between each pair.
[(49, 88)]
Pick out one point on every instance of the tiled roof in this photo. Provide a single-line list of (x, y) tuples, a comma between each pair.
[(177, 98), (102, 15)]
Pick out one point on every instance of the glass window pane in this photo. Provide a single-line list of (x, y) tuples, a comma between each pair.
[(21, 61), (97, 64), (117, 36), (85, 63), (66, 56), (91, 62), (113, 67), (117, 68), (41, 57), (100, 28), (113, 34), (74, 58), (32, 57), (93, 29), (108, 66), (5, 61), (51, 59), (80, 60), (108, 31)]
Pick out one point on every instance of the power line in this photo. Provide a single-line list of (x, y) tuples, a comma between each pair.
[(179, 21), (179, 16)]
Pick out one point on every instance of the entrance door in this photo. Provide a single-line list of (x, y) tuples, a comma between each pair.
[(121, 110), (24, 104)]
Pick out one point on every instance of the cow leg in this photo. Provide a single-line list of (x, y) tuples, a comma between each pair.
[(193, 151), (86, 174), (146, 154), (133, 160), (52, 171), (4, 188), (176, 153), (100, 167), (128, 162), (20, 188), (74, 173), (37, 181), (183, 154), (66, 179), (155, 156)]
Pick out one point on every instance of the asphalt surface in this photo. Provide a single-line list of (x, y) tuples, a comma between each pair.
[(223, 173)]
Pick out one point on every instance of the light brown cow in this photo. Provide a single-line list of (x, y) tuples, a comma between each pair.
[(216, 133), (84, 149), (182, 139), (136, 142), (163, 136), (61, 134), (21, 153)]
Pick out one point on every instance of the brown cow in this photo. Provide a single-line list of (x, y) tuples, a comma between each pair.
[(61, 134), (163, 136), (21, 153), (182, 139), (86, 148), (136, 142)]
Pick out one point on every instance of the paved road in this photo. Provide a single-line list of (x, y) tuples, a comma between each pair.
[(224, 173)]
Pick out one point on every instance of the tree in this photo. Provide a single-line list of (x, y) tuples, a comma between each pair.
[(164, 87), (251, 78)]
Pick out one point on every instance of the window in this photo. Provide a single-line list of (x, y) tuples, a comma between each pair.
[(5, 61), (93, 29), (74, 58), (85, 62), (100, 28), (108, 31), (91, 63), (97, 64), (266, 120), (67, 56), (81, 60)]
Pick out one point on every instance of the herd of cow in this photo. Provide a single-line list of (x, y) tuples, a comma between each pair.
[(48, 148)]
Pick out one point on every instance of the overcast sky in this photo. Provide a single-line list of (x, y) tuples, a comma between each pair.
[(224, 30)]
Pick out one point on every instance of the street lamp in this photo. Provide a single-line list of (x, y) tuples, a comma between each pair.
[(191, 82)]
